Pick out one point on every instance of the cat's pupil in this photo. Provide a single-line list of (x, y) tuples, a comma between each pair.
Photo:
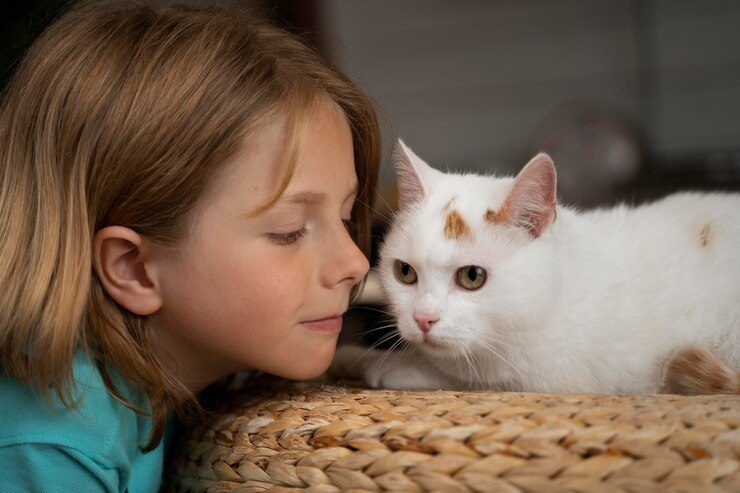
[(470, 277), (404, 272)]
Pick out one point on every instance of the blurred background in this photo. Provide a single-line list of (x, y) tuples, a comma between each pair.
[(633, 99)]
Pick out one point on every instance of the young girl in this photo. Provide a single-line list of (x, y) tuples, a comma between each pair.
[(183, 195)]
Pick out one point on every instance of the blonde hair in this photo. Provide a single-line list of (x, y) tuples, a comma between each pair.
[(120, 114)]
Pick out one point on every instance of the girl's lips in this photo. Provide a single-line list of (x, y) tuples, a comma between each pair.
[(332, 324)]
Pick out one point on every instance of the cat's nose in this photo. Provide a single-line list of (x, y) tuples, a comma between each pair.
[(425, 321)]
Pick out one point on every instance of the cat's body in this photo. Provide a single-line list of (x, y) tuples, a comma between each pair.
[(572, 301)]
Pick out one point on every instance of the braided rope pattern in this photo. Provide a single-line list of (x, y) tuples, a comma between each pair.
[(330, 438)]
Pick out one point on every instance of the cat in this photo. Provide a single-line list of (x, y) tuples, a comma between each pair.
[(495, 285)]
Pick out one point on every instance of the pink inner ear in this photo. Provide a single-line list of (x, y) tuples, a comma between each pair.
[(409, 185), (531, 203), (410, 188)]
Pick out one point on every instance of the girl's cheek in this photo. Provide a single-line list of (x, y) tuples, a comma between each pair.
[(284, 272)]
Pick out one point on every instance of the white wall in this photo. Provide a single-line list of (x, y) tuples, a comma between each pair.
[(467, 82)]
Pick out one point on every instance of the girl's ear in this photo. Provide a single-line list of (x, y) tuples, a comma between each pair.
[(414, 175), (531, 204), (122, 261)]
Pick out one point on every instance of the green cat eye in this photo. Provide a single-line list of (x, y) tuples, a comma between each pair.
[(470, 277), (404, 272)]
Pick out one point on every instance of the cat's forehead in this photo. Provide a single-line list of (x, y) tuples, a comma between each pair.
[(451, 220), (462, 201)]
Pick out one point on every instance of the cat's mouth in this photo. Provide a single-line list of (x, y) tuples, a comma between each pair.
[(433, 344), (428, 342)]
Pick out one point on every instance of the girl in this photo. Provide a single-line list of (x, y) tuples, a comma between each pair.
[(183, 195)]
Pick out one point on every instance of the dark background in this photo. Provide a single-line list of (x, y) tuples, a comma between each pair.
[(633, 99)]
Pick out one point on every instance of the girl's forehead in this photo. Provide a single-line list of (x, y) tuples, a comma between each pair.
[(320, 163), (255, 170)]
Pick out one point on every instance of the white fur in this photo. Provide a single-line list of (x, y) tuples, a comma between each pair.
[(597, 303)]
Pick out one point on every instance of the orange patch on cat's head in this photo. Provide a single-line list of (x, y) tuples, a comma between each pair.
[(496, 217), (706, 235), (456, 227)]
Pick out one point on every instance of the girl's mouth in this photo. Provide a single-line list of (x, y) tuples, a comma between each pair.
[(329, 324)]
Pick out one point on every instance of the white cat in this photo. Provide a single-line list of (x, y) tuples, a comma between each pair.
[(497, 286)]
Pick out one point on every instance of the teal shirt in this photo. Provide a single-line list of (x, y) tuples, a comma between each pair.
[(95, 447)]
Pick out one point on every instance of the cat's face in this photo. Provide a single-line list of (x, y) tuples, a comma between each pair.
[(454, 265)]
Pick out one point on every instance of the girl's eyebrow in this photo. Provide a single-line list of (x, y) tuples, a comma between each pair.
[(313, 197)]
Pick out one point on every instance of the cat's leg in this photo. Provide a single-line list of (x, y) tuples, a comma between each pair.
[(402, 370), (696, 371)]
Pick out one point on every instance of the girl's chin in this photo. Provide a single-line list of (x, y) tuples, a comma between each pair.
[(304, 373), (305, 367)]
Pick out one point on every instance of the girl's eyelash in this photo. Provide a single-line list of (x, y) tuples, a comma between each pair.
[(287, 238), (294, 236)]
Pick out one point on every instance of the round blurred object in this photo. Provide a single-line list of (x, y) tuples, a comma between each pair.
[(594, 149)]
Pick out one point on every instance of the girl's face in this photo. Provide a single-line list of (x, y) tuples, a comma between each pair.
[(247, 291)]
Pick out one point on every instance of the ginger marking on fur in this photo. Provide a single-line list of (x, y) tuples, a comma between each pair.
[(706, 235), (495, 217), (696, 371), (456, 227)]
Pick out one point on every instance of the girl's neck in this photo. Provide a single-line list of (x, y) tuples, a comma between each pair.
[(192, 366)]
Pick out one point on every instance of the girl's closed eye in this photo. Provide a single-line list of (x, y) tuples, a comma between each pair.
[(287, 238), (292, 237)]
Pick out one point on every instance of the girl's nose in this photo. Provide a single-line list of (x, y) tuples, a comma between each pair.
[(348, 263), (425, 321)]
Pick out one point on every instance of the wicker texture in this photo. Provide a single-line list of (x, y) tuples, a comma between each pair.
[(333, 438)]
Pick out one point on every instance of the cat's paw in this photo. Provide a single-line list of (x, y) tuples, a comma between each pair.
[(399, 375), (350, 361)]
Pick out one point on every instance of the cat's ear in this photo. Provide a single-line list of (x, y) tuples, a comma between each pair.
[(414, 175), (531, 204)]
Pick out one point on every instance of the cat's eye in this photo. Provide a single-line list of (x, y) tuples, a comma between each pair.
[(470, 277), (404, 272)]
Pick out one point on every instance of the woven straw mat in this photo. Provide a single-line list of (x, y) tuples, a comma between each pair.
[(283, 436)]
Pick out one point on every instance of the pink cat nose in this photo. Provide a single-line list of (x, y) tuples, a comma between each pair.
[(425, 321)]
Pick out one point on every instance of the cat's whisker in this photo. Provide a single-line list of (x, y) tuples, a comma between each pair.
[(383, 339), (375, 329), (388, 352), (515, 347), (498, 340), (405, 347), (375, 211), (361, 339), (471, 365), (362, 307), (498, 355), (456, 355), (385, 202), (484, 378), (361, 334), (461, 362)]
